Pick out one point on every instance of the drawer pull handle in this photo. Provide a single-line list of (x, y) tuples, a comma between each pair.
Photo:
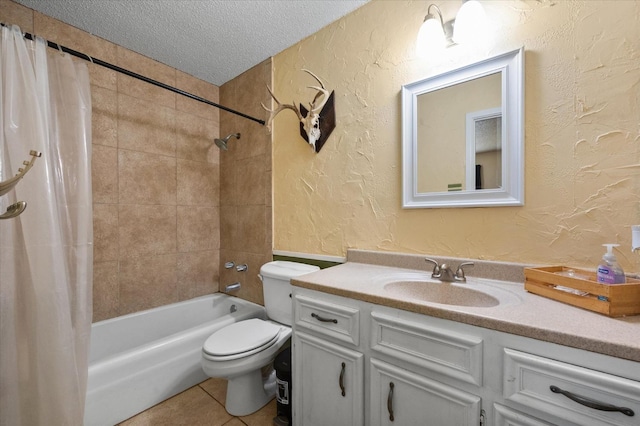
[(323, 319), (390, 401), (592, 403), (341, 380)]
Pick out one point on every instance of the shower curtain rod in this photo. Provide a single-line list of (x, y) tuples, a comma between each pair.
[(140, 77)]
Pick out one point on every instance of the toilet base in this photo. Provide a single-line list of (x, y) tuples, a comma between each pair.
[(250, 392)]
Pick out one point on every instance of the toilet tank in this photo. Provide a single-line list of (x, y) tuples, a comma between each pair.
[(276, 287)]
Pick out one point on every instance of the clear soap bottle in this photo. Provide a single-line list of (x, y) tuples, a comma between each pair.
[(609, 272)]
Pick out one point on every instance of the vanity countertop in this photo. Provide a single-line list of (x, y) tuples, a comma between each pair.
[(523, 313)]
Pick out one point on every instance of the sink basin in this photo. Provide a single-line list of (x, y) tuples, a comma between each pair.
[(442, 293)]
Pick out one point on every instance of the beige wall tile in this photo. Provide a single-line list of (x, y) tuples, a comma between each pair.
[(76, 39), (199, 88), (146, 178), (198, 183), (198, 273), (12, 13), (147, 282), (104, 117), (250, 181), (105, 290), (195, 138), (146, 230), (228, 173), (252, 229), (245, 183), (198, 228), (229, 232), (149, 68), (146, 126), (104, 174), (105, 232)]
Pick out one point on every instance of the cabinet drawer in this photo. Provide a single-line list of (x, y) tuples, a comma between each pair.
[(453, 354), (529, 380), (505, 416), (328, 319)]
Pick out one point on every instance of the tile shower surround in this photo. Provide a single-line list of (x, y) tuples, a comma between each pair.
[(159, 200)]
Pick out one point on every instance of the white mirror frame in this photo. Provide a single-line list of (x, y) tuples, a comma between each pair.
[(511, 66)]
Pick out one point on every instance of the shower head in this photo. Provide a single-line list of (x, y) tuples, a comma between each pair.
[(222, 143)]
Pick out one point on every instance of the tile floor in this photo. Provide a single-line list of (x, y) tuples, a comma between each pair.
[(203, 405)]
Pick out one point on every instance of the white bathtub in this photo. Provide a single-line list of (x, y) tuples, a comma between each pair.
[(141, 359)]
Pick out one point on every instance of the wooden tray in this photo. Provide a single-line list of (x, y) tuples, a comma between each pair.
[(616, 300)]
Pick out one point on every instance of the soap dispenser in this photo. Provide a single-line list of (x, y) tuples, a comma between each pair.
[(609, 272)]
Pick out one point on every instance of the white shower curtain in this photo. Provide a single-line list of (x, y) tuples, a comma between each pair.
[(46, 254)]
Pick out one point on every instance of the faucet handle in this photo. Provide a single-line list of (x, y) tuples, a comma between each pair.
[(459, 276), (436, 268)]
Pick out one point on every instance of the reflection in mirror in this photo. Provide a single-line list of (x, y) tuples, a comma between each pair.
[(484, 149), (443, 136), (463, 136)]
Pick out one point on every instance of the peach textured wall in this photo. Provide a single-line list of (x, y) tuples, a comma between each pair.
[(582, 136), (155, 171)]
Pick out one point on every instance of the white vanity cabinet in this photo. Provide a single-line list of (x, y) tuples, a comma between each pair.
[(411, 369), (328, 369)]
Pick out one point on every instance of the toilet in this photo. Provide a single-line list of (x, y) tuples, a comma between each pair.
[(243, 352)]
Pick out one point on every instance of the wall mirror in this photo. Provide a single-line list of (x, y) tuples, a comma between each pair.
[(463, 136)]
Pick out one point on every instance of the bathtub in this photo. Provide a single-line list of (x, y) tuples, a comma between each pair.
[(141, 359)]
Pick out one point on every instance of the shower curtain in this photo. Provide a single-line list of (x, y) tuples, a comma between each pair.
[(46, 253)]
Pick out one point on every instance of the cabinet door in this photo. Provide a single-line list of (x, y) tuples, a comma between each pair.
[(401, 397), (328, 383)]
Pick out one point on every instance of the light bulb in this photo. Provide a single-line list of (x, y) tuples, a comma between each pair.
[(471, 23), (430, 37)]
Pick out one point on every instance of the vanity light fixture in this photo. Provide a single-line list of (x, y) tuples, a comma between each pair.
[(469, 25)]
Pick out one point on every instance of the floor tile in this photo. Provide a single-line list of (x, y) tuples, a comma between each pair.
[(263, 417), (217, 388), (191, 407)]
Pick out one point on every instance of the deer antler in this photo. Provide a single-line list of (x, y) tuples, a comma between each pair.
[(313, 108), (310, 123), (280, 107)]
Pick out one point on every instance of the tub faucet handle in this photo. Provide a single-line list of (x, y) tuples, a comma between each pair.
[(242, 268), (229, 265)]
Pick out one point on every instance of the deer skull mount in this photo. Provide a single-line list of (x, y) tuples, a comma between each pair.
[(317, 122)]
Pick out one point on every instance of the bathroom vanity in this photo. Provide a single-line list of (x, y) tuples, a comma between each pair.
[(370, 346)]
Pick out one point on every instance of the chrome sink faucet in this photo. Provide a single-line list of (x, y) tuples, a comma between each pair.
[(444, 273)]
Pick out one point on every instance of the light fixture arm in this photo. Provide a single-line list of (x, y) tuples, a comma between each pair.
[(430, 15)]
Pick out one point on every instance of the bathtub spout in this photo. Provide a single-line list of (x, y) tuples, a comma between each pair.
[(232, 287)]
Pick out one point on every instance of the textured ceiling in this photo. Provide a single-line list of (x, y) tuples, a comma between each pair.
[(214, 40)]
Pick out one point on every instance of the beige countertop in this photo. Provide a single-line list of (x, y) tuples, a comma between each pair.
[(519, 312)]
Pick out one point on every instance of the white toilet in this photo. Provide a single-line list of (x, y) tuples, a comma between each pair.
[(240, 351)]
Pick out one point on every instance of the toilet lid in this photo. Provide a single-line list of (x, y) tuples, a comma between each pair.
[(241, 337)]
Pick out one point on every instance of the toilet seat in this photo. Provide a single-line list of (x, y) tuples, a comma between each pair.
[(241, 339)]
